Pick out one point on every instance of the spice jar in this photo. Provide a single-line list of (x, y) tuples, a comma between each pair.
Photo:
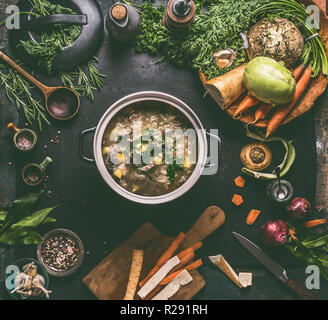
[(280, 193), (122, 21), (24, 139), (61, 252), (33, 174), (179, 14)]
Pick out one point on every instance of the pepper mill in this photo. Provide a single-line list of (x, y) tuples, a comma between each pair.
[(178, 14)]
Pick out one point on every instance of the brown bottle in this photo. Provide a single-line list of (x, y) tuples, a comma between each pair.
[(178, 14)]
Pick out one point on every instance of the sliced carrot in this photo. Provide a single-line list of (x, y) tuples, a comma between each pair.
[(164, 257), (240, 182), (314, 223), (252, 216), (285, 109), (246, 103), (237, 199), (292, 233)]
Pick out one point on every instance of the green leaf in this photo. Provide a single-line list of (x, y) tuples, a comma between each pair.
[(34, 219), (320, 240), (24, 205)]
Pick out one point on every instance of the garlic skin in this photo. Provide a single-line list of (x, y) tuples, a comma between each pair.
[(29, 283), (224, 58)]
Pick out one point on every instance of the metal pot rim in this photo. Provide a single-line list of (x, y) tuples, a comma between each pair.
[(154, 96)]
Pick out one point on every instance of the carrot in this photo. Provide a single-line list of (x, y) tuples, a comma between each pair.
[(297, 72), (314, 223), (164, 257), (262, 111), (252, 216), (184, 261), (171, 276), (237, 199), (189, 267), (240, 182), (247, 103), (292, 233), (284, 110)]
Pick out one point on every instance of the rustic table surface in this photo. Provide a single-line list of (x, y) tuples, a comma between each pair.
[(103, 219)]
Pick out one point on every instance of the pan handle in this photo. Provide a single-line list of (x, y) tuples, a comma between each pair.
[(215, 148), (81, 144), (36, 23)]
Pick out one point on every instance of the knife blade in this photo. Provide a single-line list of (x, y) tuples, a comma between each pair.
[(272, 266)]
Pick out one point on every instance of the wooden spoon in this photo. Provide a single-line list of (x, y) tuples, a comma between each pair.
[(62, 103)]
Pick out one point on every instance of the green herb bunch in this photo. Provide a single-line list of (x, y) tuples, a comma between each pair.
[(18, 91), (54, 38), (220, 28), (18, 223), (217, 29)]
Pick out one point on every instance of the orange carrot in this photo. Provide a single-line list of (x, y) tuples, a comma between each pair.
[(292, 233), (297, 72), (190, 267), (164, 257), (262, 111), (240, 182), (237, 199), (184, 261), (247, 103), (284, 110), (252, 216), (314, 223), (170, 277)]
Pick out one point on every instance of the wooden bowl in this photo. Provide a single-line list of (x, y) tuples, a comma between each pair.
[(316, 87)]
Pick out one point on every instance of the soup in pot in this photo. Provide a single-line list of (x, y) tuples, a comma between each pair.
[(150, 148)]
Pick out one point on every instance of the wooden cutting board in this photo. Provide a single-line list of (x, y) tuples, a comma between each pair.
[(108, 280)]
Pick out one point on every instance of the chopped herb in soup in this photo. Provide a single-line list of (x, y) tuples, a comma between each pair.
[(150, 149)]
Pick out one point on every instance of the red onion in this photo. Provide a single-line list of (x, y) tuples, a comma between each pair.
[(298, 207), (274, 233)]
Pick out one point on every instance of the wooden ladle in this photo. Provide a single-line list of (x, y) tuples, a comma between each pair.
[(62, 103)]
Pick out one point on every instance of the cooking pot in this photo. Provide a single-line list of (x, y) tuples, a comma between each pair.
[(127, 101)]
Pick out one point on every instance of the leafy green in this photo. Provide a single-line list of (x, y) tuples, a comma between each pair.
[(171, 169), (19, 221), (219, 28)]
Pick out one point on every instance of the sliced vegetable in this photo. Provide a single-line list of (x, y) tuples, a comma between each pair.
[(314, 223), (252, 216), (164, 257), (284, 166), (227, 88), (237, 200), (256, 156), (136, 266), (240, 182)]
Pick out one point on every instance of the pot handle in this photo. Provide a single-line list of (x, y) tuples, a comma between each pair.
[(81, 144), (217, 146)]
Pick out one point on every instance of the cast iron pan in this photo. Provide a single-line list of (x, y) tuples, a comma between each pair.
[(89, 17)]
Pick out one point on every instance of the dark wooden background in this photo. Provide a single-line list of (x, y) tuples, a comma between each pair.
[(103, 219)]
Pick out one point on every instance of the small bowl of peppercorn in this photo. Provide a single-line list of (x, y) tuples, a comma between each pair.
[(61, 252)]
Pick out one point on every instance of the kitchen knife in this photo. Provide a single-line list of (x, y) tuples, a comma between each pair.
[(272, 266), (182, 279)]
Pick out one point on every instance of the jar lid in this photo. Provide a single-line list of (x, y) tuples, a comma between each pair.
[(119, 12)]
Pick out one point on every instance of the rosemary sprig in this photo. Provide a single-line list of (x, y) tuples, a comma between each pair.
[(18, 91)]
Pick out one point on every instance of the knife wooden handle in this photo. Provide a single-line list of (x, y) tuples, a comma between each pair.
[(210, 220), (299, 290)]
